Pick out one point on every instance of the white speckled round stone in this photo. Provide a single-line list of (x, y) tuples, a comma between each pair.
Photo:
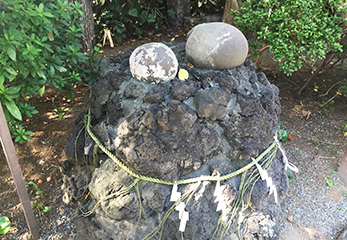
[(153, 63), (216, 45)]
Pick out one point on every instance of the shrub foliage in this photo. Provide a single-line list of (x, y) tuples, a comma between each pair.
[(297, 32), (39, 45), (129, 18)]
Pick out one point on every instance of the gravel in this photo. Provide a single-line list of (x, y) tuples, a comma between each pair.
[(319, 211)]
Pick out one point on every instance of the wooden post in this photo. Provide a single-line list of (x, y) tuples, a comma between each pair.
[(12, 161), (229, 4)]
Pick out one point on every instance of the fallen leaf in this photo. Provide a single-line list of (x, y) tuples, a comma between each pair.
[(183, 74), (290, 138)]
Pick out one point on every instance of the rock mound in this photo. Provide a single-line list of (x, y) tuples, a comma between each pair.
[(212, 123)]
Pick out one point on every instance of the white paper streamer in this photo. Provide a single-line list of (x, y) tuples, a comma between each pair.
[(285, 159), (265, 176), (218, 193)]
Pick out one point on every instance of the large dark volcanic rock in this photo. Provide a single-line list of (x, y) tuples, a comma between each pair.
[(213, 121)]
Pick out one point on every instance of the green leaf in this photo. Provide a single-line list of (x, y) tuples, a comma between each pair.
[(150, 18), (47, 208), (284, 135), (42, 90), (13, 90), (18, 138), (5, 225), (2, 78), (39, 192), (41, 74), (11, 71), (170, 11), (12, 77), (290, 178), (329, 182), (48, 14), (33, 184), (133, 12), (13, 109), (11, 53), (41, 6), (62, 69)]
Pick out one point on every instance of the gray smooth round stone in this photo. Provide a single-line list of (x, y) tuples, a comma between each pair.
[(153, 63), (216, 45)]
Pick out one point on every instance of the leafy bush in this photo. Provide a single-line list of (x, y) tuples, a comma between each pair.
[(204, 7), (128, 18), (297, 33), (5, 225), (39, 45)]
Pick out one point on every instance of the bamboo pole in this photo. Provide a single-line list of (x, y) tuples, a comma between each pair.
[(12, 161)]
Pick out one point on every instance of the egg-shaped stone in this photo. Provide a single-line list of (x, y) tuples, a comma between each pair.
[(216, 45), (153, 63)]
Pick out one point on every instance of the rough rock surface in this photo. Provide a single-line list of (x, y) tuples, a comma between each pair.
[(216, 45), (211, 123), (153, 63), (343, 235)]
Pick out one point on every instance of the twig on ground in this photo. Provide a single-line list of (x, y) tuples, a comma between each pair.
[(339, 82), (332, 98)]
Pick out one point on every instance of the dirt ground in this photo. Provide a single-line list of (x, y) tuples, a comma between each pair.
[(319, 211)]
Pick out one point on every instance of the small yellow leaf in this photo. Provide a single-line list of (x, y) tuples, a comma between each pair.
[(50, 36), (183, 74)]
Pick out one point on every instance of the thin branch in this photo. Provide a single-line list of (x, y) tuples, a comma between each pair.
[(331, 66), (261, 50), (339, 82), (332, 98), (329, 56)]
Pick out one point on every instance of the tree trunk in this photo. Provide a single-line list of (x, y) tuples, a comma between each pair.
[(229, 4), (87, 40), (181, 9)]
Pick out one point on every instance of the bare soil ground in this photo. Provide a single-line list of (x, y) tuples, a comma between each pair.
[(319, 211)]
